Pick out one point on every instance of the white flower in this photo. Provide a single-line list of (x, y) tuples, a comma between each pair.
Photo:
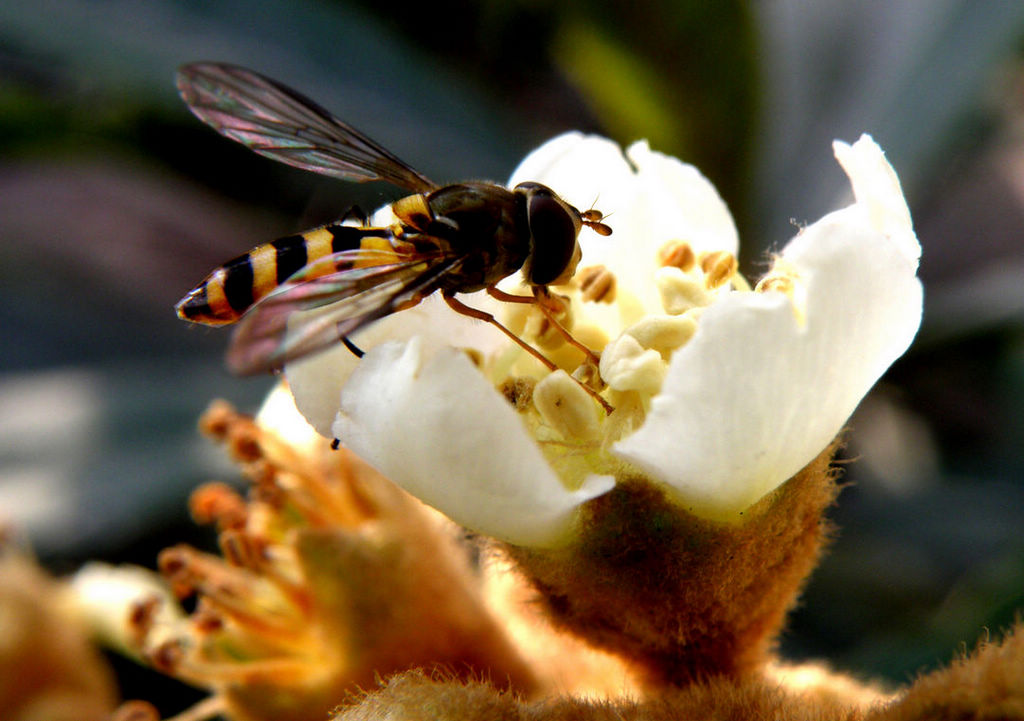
[(721, 393)]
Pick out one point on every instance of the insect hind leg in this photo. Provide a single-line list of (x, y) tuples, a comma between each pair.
[(352, 347)]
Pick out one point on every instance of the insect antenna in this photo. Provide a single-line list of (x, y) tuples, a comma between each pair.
[(592, 219)]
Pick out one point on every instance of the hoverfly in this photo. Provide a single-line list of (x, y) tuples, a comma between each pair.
[(454, 239)]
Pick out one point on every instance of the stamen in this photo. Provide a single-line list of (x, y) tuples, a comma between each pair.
[(664, 333), (719, 267), (777, 283), (597, 284), (784, 278), (207, 620), (142, 617), (280, 671), (247, 598), (218, 503), (167, 657), (677, 254), (242, 549), (628, 366), (566, 407), (542, 325), (589, 375), (135, 710)]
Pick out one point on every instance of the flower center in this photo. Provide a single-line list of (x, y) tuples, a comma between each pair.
[(633, 361), (687, 282)]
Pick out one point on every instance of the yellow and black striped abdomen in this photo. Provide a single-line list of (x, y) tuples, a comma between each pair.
[(229, 291)]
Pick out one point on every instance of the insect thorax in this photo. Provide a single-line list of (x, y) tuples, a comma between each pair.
[(484, 222)]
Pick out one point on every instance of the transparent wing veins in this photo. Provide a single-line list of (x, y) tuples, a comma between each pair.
[(280, 123), (348, 300)]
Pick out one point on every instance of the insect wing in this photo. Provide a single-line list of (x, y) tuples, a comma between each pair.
[(338, 303), (280, 123)]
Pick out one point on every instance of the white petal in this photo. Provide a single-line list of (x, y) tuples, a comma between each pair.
[(649, 199), (436, 427), (877, 189), (754, 396), (316, 381), (583, 169), (279, 415), (680, 203), (669, 201)]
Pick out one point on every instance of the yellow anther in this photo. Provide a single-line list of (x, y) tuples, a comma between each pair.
[(719, 267), (566, 407), (784, 278), (779, 283), (597, 284), (677, 254)]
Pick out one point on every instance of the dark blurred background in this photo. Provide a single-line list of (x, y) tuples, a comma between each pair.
[(114, 200)]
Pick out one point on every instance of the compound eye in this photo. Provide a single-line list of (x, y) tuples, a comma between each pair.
[(554, 232)]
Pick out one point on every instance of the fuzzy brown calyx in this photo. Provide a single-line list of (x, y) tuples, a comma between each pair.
[(679, 597), (989, 684)]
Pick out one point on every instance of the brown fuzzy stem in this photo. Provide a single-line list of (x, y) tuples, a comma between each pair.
[(680, 597)]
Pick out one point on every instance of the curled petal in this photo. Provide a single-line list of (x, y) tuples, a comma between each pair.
[(436, 427), (761, 389), (770, 378), (877, 190)]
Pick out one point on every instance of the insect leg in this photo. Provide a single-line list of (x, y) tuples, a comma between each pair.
[(352, 347), (460, 307), (541, 298), (504, 297), (541, 294)]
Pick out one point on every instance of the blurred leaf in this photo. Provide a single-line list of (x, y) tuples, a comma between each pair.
[(912, 74), (682, 74), (625, 91), (126, 52)]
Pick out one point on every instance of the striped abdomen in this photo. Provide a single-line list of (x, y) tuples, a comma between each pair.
[(225, 294)]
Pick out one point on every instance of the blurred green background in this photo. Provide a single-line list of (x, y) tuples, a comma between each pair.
[(114, 200)]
